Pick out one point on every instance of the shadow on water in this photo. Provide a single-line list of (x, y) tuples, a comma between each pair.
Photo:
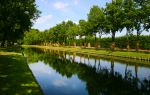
[(99, 79), (15, 77)]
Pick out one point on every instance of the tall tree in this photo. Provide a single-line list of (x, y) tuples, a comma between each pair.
[(94, 17), (114, 15), (16, 16), (128, 18), (83, 30), (142, 18)]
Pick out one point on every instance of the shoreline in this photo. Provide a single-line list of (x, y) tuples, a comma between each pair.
[(105, 53)]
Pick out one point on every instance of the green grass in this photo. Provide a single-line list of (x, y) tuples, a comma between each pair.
[(105, 52), (15, 75)]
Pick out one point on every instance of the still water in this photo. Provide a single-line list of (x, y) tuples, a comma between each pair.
[(62, 73)]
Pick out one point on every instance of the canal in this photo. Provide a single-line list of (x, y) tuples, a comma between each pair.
[(66, 73)]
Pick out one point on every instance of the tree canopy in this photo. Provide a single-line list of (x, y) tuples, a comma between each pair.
[(16, 17)]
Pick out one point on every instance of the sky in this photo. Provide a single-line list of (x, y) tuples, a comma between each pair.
[(55, 11)]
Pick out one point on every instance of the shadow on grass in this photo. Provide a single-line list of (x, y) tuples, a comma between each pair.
[(15, 77)]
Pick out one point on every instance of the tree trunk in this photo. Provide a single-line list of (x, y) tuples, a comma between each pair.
[(85, 42), (74, 42), (128, 44), (69, 44), (80, 42), (65, 40), (95, 41), (99, 43), (113, 41), (4, 39), (137, 43)]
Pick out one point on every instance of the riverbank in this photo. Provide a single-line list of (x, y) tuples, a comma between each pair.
[(15, 75), (119, 54)]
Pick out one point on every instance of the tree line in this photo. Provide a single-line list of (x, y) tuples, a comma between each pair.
[(132, 15)]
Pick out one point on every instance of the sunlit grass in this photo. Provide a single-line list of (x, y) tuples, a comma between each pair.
[(105, 52)]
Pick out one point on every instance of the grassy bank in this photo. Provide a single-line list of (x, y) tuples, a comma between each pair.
[(15, 75), (120, 54)]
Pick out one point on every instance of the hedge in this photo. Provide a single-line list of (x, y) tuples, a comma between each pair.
[(121, 42)]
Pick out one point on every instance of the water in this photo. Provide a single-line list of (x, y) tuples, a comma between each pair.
[(61, 73)]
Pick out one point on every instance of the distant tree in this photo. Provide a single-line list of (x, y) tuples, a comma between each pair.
[(63, 33), (32, 37), (16, 17), (73, 32), (69, 24)]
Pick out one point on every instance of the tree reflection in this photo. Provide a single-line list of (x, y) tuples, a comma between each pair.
[(99, 81)]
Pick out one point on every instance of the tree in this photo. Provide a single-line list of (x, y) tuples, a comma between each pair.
[(69, 24), (114, 16), (73, 32), (102, 25), (63, 32), (32, 37), (83, 29), (146, 9), (94, 17), (128, 19), (142, 18), (16, 17)]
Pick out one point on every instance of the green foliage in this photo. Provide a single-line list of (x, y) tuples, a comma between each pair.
[(95, 18), (32, 37), (83, 28), (129, 15), (16, 17), (114, 16)]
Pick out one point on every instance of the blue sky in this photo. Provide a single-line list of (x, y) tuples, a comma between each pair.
[(56, 11)]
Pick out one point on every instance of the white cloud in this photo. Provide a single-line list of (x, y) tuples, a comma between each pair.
[(60, 5), (59, 83), (44, 19)]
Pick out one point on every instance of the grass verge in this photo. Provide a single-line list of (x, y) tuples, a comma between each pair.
[(121, 54), (15, 75)]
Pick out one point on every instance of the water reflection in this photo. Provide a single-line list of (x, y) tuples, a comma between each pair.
[(61, 73), (52, 83)]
